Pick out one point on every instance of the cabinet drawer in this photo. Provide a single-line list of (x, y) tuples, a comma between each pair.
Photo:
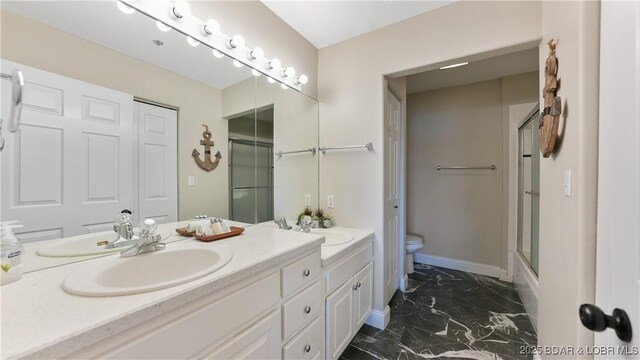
[(300, 309), (301, 273), (306, 345), (202, 326), (343, 270), (260, 341)]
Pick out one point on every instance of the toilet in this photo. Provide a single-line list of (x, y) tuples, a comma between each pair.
[(413, 244)]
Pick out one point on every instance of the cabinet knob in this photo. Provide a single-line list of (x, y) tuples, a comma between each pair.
[(306, 272), (359, 285), (307, 348), (307, 309), (355, 287)]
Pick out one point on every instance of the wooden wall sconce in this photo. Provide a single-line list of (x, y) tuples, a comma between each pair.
[(206, 164), (548, 130)]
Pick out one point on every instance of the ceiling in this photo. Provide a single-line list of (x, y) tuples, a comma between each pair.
[(325, 23), (101, 22), (481, 70)]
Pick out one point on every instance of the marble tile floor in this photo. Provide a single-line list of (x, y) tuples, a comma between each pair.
[(449, 314)]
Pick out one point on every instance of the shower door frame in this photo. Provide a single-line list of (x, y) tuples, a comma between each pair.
[(270, 186), (520, 191)]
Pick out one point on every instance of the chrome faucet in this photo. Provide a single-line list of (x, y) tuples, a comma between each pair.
[(148, 241), (124, 228), (281, 221)]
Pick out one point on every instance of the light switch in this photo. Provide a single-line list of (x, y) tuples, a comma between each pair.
[(192, 181), (331, 201), (307, 199), (566, 185)]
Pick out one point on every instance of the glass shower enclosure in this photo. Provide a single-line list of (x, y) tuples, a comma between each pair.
[(250, 181), (529, 191)]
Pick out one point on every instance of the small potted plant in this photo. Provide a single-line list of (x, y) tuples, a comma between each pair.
[(306, 212), (326, 222), (318, 217)]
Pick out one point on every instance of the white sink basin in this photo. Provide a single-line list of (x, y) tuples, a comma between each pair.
[(112, 276), (85, 245), (333, 237)]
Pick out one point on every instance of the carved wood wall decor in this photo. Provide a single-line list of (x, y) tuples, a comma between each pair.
[(548, 130), (206, 164)]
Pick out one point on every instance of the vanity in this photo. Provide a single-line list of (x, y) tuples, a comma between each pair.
[(282, 295)]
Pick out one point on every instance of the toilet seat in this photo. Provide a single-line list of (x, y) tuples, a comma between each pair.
[(413, 240)]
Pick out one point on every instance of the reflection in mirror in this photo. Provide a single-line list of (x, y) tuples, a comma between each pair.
[(113, 111)]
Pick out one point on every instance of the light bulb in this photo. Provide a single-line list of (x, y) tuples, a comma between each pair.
[(270, 80), (235, 41), (273, 64), (284, 87), (125, 8), (210, 27), (256, 53), (162, 26), (180, 9), (302, 79), (217, 54), (255, 72), (289, 72), (237, 63), (192, 41)]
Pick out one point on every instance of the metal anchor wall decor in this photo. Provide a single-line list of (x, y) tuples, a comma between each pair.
[(207, 164)]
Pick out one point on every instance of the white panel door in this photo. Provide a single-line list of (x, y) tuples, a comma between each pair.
[(340, 319), (392, 199), (618, 246), (157, 162), (68, 170)]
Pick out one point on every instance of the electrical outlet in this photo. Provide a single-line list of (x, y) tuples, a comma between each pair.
[(192, 181), (331, 201), (307, 199)]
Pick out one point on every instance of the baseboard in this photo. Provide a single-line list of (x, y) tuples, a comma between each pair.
[(504, 276), (404, 282), (468, 266), (379, 319)]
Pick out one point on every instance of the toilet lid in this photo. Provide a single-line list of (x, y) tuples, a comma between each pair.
[(412, 239)]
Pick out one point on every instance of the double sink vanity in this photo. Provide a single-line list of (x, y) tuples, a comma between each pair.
[(268, 293)]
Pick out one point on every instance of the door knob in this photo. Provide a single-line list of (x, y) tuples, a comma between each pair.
[(595, 319)]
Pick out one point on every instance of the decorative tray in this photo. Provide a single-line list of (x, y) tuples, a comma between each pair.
[(183, 231), (234, 232)]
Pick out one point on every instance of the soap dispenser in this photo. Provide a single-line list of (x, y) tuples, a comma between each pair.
[(11, 252)]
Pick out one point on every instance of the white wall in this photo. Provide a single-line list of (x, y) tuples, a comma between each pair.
[(457, 212), (568, 224), (351, 95)]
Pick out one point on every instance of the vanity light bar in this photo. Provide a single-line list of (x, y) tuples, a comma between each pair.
[(234, 47)]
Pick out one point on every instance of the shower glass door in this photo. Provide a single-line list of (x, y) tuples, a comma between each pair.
[(529, 191), (250, 181)]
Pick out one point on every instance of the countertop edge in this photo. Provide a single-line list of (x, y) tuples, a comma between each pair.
[(328, 261), (76, 342)]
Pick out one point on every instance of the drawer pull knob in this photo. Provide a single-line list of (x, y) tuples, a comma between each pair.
[(307, 309), (306, 272), (307, 348)]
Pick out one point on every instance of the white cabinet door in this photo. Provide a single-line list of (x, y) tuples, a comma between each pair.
[(157, 162), (68, 170), (340, 319), (363, 301), (261, 341)]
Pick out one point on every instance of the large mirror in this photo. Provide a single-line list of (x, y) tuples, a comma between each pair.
[(114, 108)]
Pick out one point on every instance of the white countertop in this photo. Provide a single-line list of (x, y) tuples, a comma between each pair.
[(39, 319)]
